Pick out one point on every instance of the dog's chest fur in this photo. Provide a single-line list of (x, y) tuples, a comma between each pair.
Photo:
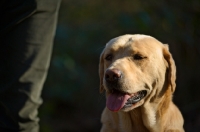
[(125, 121), (133, 121)]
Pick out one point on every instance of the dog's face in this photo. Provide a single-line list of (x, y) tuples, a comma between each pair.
[(134, 68)]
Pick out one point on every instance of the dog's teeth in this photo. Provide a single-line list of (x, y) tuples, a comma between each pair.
[(127, 105), (136, 100)]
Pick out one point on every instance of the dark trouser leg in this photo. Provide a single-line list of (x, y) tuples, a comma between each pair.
[(25, 51)]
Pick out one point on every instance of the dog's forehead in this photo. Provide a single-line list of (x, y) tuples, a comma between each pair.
[(134, 43)]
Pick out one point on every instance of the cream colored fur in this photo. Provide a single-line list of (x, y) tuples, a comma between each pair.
[(156, 74)]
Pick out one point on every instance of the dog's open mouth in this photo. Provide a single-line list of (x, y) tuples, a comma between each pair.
[(117, 100)]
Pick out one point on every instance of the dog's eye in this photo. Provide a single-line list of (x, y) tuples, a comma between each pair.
[(138, 57), (109, 57)]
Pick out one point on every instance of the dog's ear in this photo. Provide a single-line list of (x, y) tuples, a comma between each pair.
[(171, 68), (101, 71)]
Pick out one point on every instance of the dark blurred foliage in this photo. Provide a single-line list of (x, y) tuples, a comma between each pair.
[(72, 102)]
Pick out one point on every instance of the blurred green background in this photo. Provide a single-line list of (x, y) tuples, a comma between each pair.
[(72, 102)]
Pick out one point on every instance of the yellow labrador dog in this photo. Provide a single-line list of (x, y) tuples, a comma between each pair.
[(138, 74)]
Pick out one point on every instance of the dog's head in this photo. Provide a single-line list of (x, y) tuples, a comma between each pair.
[(134, 68)]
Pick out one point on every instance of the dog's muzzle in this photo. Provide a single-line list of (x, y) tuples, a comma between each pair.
[(113, 77)]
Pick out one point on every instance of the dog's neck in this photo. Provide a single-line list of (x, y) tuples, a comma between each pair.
[(153, 111)]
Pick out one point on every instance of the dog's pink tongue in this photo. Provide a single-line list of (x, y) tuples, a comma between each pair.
[(116, 101)]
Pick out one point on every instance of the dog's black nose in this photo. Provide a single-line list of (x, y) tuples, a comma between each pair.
[(113, 75)]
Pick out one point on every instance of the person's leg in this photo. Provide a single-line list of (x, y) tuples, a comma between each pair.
[(25, 51)]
